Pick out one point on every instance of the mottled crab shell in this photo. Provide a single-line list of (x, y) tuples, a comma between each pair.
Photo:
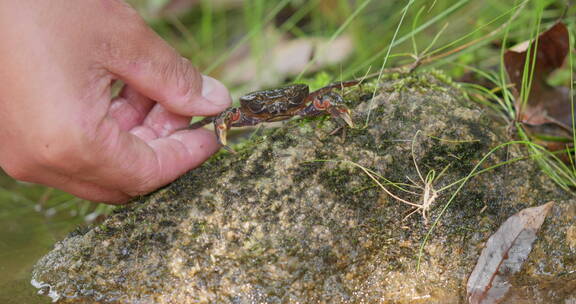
[(275, 102)]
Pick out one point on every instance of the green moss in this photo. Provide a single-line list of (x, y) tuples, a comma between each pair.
[(336, 180), (306, 170), (167, 223), (79, 231), (364, 138), (86, 252), (443, 77), (286, 141), (459, 156)]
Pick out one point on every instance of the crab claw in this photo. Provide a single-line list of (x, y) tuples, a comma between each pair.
[(223, 122), (344, 113), (221, 130), (347, 118)]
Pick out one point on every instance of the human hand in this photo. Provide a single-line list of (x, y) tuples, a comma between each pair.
[(59, 125)]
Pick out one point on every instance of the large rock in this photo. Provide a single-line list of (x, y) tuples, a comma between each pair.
[(287, 220)]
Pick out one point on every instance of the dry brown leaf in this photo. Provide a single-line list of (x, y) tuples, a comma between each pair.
[(504, 253), (545, 104)]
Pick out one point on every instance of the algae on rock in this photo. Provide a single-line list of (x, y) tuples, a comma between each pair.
[(286, 221)]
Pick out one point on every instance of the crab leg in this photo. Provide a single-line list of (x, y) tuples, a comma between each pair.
[(342, 112), (330, 103), (330, 87), (201, 123)]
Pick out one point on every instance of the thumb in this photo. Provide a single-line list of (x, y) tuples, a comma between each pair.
[(148, 64)]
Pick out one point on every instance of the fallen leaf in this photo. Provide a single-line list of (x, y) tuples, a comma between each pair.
[(545, 103), (504, 253)]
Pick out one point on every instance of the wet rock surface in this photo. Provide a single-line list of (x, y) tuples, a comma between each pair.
[(290, 219)]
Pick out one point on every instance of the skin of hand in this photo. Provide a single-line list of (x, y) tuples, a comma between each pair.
[(59, 124)]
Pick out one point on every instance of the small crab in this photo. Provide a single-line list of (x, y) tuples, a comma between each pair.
[(279, 104)]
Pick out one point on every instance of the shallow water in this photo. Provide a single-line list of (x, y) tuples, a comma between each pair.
[(27, 233)]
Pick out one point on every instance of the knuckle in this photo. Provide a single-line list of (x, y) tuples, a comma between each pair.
[(123, 17), (129, 40), (137, 28), (184, 77)]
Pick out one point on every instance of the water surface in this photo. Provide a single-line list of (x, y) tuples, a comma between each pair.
[(32, 219)]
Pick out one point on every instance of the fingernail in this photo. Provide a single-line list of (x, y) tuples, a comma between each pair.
[(215, 91)]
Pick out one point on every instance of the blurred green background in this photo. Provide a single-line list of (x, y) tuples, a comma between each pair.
[(256, 44)]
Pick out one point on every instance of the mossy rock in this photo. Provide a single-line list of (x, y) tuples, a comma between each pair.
[(290, 219)]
